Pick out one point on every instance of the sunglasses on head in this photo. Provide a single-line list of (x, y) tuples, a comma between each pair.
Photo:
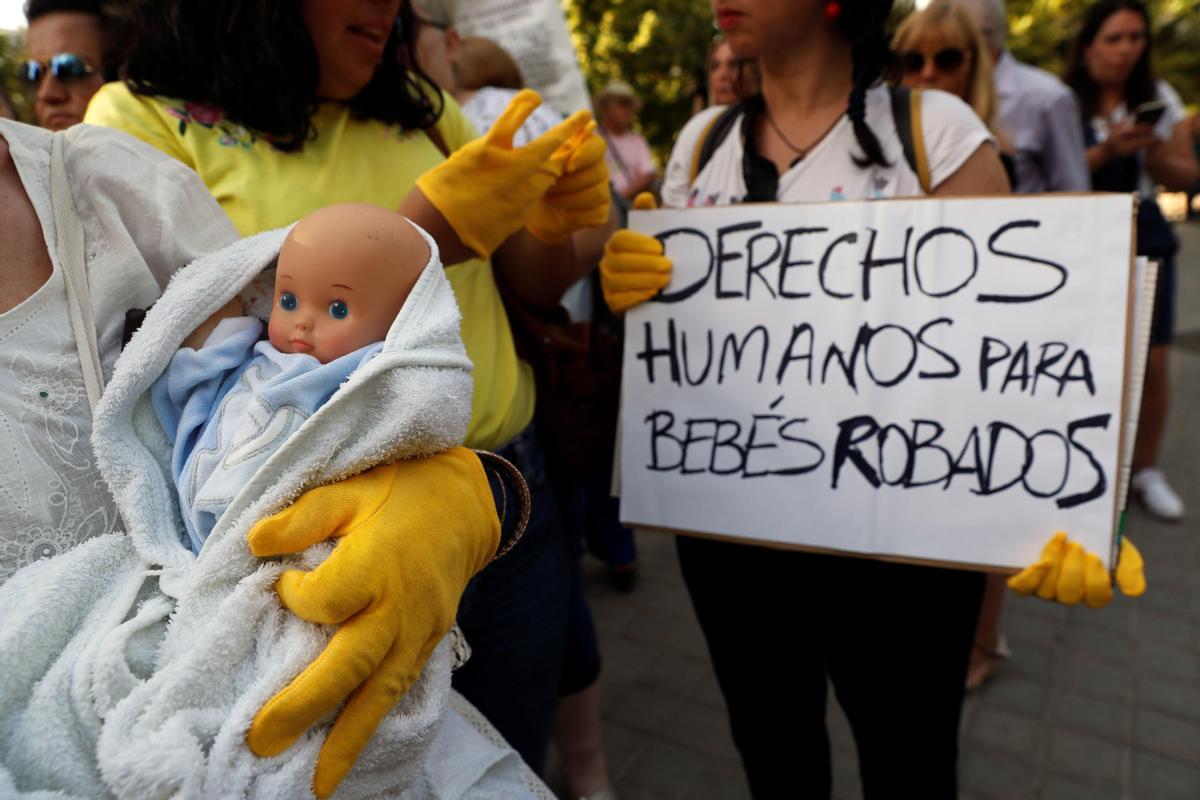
[(945, 60), (65, 67)]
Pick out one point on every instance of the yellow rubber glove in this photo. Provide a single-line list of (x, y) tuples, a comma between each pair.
[(410, 536), (1066, 573), (581, 198), (487, 190), (633, 268)]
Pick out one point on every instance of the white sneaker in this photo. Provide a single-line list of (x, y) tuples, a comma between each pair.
[(1157, 495)]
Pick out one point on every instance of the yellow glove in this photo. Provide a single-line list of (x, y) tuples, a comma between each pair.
[(633, 268), (486, 189), (581, 198), (1066, 573), (410, 536)]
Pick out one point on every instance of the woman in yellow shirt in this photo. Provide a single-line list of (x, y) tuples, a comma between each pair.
[(282, 108)]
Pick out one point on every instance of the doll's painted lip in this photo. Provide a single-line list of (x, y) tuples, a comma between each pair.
[(300, 345)]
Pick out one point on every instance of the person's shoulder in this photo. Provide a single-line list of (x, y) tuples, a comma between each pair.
[(941, 109), (1166, 93), (1038, 82), (25, 137), (115, 103), (695, 127)]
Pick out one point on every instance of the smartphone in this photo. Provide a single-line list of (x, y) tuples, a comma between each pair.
[(1150, 113)]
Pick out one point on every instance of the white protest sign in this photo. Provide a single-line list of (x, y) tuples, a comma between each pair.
[(534, 32), (928, 379)]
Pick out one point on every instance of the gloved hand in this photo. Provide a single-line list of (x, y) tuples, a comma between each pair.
[(633, 268), (1066, 573), (486, 189), (410, 536), (581, 198)]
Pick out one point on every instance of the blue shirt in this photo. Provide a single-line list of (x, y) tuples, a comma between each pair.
[(228, 406), (1041, 114)]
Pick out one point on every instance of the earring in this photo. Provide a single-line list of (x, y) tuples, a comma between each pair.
[(833, 10)]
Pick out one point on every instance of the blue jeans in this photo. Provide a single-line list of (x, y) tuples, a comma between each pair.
[(514, 615)]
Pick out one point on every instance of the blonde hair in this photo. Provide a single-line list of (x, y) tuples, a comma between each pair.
[(944, 20), (481, 62)]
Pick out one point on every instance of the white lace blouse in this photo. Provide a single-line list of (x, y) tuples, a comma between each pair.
[(144, 216)]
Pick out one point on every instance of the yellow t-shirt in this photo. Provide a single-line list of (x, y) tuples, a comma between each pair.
[(351, 160)]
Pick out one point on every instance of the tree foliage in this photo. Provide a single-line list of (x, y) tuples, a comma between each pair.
[(659, 46), (11, 50)]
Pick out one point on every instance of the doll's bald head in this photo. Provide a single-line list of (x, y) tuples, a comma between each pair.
[(344, 273)]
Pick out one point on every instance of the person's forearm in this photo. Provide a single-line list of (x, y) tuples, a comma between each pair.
[(1176, 171), (416, 207), (1097, 157), (644, 183), (538, 273)]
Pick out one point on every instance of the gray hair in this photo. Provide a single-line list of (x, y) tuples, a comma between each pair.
[(443, 12), (992, 19)]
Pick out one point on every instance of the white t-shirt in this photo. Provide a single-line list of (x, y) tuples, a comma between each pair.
[(952, 133), (1164, 129), (144, 216)]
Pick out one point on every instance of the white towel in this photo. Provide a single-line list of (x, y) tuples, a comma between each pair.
[(133, 668)]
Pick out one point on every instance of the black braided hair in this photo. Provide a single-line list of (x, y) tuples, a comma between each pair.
[(864, 23)]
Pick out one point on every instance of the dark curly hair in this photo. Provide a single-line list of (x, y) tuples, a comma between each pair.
[(1140, 87), (256, 61), (864, 24)]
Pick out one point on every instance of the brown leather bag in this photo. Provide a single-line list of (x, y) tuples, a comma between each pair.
[(577, 370)]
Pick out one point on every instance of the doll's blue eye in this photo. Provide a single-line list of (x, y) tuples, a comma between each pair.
[(338, 309), (288, 301)]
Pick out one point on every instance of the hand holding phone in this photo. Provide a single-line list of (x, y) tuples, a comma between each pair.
[(1149, 113)]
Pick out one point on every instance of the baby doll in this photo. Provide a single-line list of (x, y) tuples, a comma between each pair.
[(229, 399)]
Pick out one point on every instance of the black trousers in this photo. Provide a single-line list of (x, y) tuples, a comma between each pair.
[(894, 639)]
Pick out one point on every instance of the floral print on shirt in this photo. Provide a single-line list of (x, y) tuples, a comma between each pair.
[(213, 118)]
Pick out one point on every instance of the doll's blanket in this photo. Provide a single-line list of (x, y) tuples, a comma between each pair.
[(227, 406), (132, 667)]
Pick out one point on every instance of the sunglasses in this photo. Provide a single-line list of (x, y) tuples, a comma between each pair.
[(65, 67), (946, 60)]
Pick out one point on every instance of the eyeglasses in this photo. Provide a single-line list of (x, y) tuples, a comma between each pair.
[(65, 67), (946, 60)]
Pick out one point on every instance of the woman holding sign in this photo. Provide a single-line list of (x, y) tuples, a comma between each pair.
[(893, 638)]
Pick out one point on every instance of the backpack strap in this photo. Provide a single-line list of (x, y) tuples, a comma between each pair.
[(715, 132), (906, 111)]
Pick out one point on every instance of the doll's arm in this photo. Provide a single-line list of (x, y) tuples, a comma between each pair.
[(197, 337)]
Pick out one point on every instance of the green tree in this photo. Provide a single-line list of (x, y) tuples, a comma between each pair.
[(11, 50), (657, 46)]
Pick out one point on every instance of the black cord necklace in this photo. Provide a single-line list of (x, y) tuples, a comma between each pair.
[(800, 152)]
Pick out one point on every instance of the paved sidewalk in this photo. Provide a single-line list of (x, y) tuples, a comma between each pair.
[(1093, 704)]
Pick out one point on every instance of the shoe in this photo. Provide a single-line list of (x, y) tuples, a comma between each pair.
[(1156, 494), (985, 662)]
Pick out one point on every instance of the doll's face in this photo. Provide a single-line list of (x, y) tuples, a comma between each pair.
[(344, 272)]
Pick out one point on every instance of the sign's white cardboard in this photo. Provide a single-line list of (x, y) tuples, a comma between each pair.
[(939, 380)]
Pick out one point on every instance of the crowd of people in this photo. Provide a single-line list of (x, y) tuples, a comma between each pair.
[(208, 123)]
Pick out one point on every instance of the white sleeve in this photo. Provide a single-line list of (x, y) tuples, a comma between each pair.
[(952, 132), (1175, 114), (677, 181), (145, 200)]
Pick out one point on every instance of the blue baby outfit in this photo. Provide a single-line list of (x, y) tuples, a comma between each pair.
[(229, 405)]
